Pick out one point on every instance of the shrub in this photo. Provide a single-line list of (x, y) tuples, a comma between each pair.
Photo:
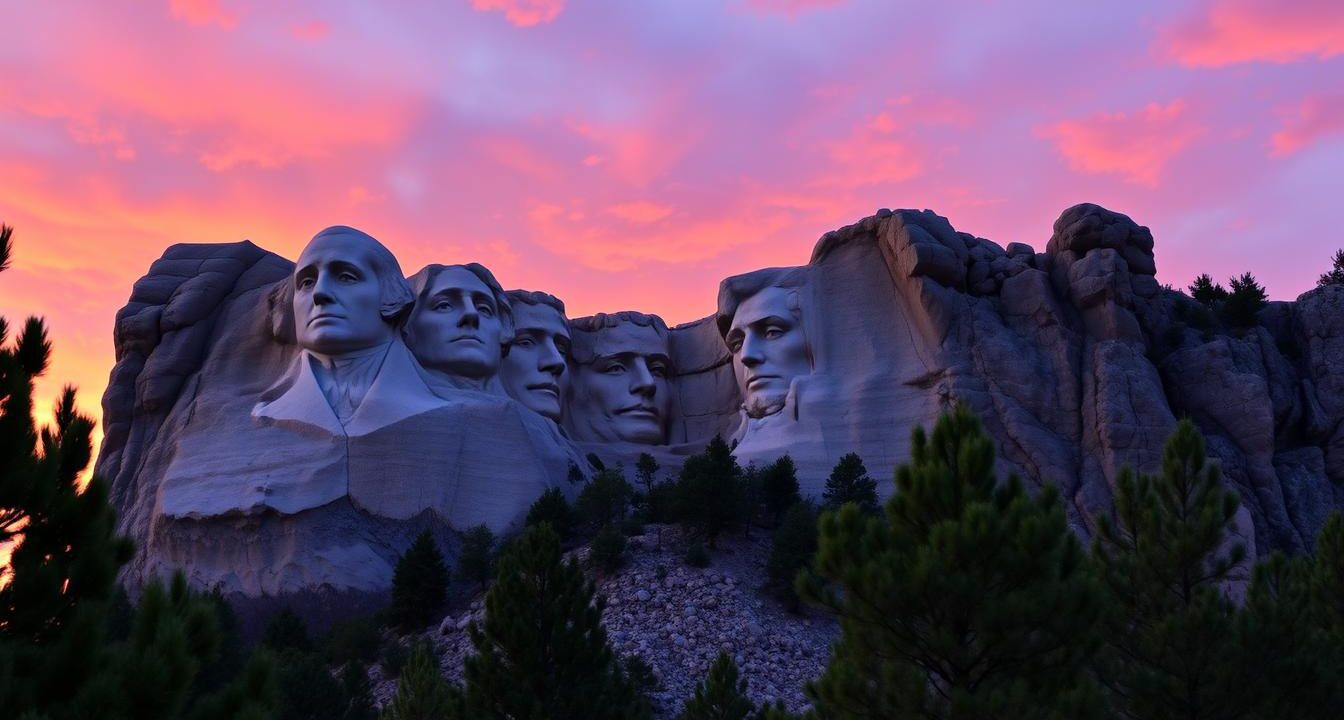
[(422, 693), (286, 631), (661, 502), (608, 549), (794, 546), (352, 639), (720, 696)]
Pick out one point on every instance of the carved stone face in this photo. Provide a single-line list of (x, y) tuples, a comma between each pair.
[(769, 350), (456, 328), (535, 372), (623, 393), (337, 296)]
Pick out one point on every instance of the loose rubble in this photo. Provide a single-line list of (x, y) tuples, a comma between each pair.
[(678, 618)]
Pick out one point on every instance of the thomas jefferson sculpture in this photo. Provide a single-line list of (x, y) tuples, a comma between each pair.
[(620, 392), (459, 327), (535, 369)]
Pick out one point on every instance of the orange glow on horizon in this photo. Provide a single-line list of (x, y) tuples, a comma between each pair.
[(628, 157)]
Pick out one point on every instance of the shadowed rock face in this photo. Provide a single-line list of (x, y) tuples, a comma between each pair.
[(1075, 358)]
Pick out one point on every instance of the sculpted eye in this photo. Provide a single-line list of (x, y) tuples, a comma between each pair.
[(443, 306), (306, 283), (774, 332), (658, 370), (348, 277), (613, 369), (524, 342), (485, 310)]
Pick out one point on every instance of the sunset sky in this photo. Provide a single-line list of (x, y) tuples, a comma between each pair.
[(628, 155)]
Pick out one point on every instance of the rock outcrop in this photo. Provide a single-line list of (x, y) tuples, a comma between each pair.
[(1076, 359)]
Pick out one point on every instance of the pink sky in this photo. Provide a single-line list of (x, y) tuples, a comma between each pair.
[(630, 155)]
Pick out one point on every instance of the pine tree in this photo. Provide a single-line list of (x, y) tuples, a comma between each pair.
[(720, 696), (359, 695), (308, 691), (795, 544), (603, 500), (1325, 584), (1244, 302), (56, 660), (1327, 578), (967, 598), (709, 490), (542, 651), (849, 482), (422, 693), (1336, 274), (476, 563), (646, 467), (552, 509), (1296, 667), (419, 584), (252, 695), (779, 486), (1207, 292), (286, 631), (1173, 650)]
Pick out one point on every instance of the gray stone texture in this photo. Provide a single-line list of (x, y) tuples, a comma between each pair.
[(1078, 362)]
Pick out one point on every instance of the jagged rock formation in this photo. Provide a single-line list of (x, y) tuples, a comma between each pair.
[(1076, 359)]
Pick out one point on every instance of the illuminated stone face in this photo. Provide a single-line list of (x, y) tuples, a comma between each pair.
[(769, 350), (455, 326), (337, 296), (620, 387), (535, 371)]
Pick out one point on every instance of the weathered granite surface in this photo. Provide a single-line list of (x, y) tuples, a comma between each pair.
[(1076, 359)]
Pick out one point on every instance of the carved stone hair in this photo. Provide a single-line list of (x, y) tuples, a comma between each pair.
[(602, 321), (422, 281), (738, 289), (536, 297), (394, 293), (581, 327)]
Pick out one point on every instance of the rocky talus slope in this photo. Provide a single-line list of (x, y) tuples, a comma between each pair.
[(678, 618)]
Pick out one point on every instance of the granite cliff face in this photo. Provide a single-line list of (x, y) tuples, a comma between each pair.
[(1076, 359)]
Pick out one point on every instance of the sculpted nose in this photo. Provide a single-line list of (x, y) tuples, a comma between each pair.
[(551, 361), (641, 380), (751, 355), (470, 318), (322, 294)]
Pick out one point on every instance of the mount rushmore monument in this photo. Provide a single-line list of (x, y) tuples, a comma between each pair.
[(278, 428)]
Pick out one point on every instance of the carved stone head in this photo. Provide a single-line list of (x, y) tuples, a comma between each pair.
[(347, 294), (620, 390), (461, 320), (535, 370), (761, 319)]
